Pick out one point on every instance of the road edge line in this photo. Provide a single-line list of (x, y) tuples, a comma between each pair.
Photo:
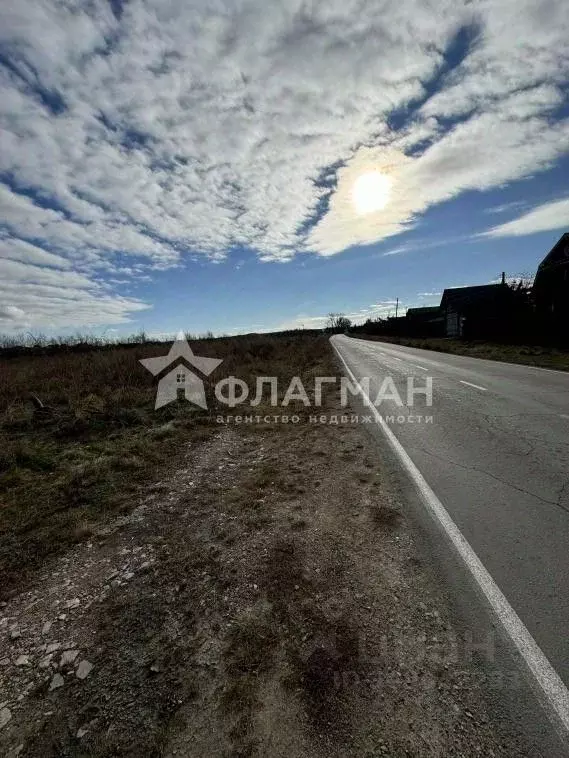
[(476, 386), (462, 355), (547, 681)]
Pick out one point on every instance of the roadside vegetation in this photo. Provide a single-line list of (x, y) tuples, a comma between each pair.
[(79, 436), (528, 355)]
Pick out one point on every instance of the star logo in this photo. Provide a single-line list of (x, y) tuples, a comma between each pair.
[(178, 375)]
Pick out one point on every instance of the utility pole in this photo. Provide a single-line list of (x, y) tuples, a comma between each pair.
[(396, 307)]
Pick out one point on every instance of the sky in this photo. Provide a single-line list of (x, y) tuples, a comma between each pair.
[(249, 165)]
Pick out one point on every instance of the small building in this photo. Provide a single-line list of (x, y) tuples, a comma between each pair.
[(475, 312), (551, 291), (427, 321)]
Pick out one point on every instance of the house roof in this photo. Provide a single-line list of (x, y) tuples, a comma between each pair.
[(430, 310), (461, 296), (558, 254)]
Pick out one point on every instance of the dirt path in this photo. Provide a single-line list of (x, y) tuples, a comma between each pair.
[(266, 600)]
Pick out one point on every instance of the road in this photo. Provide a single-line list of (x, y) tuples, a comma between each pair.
[(496, 455)]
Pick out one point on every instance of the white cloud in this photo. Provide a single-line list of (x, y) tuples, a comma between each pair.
[(544, 218), (49, 307), (38, 297), (375, 310), (19, 250), (12, 314), (505, 207), (300, 322), (18, 272), (396, 251), (186, 128)]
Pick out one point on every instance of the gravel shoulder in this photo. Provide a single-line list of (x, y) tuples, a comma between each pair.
[(267, 598)]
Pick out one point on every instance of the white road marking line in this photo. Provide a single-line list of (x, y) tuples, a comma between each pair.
[(421, 367), (545, 677), (476, 386)]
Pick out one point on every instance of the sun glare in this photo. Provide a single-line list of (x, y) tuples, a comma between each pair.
[(371, 192)]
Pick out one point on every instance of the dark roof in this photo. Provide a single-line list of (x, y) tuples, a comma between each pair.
[(461, 296), (396, 319), (558, 254), (430, 310)]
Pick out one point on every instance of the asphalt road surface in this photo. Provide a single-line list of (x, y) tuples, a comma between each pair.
[(497, 457)]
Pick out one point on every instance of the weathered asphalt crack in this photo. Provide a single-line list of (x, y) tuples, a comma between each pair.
[(561, 493), (490, 420), (556, 503)]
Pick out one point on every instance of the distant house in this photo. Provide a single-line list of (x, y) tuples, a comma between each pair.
[(424, 322), (551, 289), (423, 314), (475, 312)]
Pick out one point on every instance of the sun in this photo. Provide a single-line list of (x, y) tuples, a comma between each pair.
[(371, 192)]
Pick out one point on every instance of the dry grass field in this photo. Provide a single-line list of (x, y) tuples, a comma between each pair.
[(97, 440)]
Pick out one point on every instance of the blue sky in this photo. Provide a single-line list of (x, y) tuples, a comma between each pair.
[(244, 166)]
